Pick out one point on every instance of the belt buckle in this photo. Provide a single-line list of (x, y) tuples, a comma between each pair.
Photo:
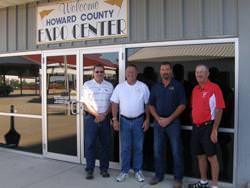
[(207, 122)]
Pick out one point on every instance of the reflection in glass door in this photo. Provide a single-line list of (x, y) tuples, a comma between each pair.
[(20, 103), (61, 92), (110, 61)]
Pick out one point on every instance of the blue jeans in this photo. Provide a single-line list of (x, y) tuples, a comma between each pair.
[(93, 131), (173, 132), (132, 137)]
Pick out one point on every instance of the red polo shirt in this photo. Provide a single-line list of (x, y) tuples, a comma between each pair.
[(204, 101)]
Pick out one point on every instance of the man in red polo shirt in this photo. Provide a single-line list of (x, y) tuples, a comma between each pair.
[(207, 105)]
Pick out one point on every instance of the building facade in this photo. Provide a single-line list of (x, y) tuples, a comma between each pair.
[(45, 79)]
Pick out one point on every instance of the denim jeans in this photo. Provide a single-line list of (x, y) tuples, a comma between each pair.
[(132, 137), (173, 132), (92, 132)]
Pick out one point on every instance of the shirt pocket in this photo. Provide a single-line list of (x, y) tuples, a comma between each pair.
[(106, 92)]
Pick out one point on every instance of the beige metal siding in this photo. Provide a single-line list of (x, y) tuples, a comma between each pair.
[(21, 28), (192, 19), (173, 27), (138, 30), (31, 27), (12, 29), (213, 17), (3, 30), (149, 20)]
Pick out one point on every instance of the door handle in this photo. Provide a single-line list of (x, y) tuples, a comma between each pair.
[(73, 107)]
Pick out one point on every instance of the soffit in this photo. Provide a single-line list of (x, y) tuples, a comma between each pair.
[(183, 53)]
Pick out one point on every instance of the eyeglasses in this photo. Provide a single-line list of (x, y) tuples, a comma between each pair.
[(99, 72)]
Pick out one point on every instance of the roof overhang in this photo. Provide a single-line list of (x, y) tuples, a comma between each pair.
[(183, 53), (8, 3)]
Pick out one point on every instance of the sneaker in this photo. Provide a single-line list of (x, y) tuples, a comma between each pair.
[(198, 185), (154, 180), (177, 184), (121, 177), (139, 176), (105, 174), (89, 175)]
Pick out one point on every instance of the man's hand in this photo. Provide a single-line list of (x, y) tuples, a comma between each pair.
[(116, 125), (145, 125), (163, 122), (99, 117), (214, 135)]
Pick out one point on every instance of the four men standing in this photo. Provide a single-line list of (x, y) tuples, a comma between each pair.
[(130, 113)]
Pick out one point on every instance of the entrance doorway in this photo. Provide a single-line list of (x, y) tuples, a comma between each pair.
[(111, 59), (61, 114), (64, 73)]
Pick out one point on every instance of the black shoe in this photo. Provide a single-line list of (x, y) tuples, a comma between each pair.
[(154, 180), (198, 185), (177, 184), (105, 174), (89, 175)]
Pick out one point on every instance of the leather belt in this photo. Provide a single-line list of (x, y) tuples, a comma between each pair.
[(132, 118), (205, 123)]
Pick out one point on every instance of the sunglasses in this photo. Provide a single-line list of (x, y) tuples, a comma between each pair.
[(99, 72)]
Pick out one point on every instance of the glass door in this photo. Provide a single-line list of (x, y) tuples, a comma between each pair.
[(111, 59), (61, 121)]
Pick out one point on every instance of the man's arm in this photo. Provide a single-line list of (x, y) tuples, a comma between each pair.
[(115, 107), (99, 117), (145, 125), (153, 112), (88, 107), (220, 104), (181, 96), (166, 121), (214, 133), (177, 112)]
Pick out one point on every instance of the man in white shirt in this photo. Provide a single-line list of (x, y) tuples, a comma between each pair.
[(96, 100), (131, 98)]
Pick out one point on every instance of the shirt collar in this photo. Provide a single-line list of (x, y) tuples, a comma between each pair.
[(97, 82), (129, 84), (205, 86), (170, 83)]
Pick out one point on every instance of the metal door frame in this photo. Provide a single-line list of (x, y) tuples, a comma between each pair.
[(46, 153), (121, 63)]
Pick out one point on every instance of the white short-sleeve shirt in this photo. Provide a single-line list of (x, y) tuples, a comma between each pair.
[(97, 95), (131, 98)]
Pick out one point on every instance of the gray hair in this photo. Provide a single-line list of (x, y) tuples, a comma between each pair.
[(202, 65)]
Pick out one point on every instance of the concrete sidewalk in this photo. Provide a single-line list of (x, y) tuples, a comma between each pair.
[(25, 171)]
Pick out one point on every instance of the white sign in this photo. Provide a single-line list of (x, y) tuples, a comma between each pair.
[(81, 20), (61, 99)]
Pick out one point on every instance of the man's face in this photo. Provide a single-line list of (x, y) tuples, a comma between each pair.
[(165, 72), (98, 74), (131, 74), (201, 74)]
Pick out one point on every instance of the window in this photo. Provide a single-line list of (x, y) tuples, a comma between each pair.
[(220, 59), (20, 93), (20, 83)]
